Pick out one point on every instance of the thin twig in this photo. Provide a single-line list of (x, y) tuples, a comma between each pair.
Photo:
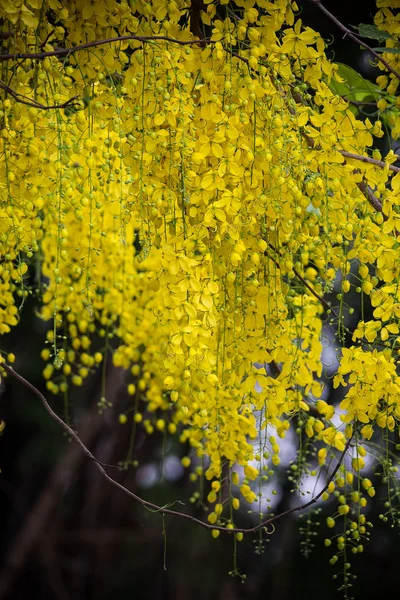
[(122, 38), (355, 38), (370, 196), (48, 36), (150, 505), (320, 298), (359, 102), (316, 497), (371, 161), (374, 201), (21, 99)]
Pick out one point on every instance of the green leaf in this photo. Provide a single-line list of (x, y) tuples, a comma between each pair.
[(388, 50), (354, 86), (372, 32)]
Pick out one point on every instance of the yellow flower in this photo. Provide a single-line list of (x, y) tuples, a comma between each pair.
[(187, 216)]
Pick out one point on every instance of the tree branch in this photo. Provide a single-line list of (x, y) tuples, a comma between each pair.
[(21, 99), (365, 190), (370, 196), (122, 38), (355, 38), (321, 299), (373, 200), (150, 505), (371, 161), (359, 102)]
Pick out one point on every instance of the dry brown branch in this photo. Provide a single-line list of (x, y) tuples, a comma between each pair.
[(60, 52), (370, 196), (355, 37), (371, 161), (164, 509), (359, 102), (21, 99), (320, 298)]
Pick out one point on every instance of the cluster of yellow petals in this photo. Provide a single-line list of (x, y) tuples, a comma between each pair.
[(191, 210), (374, 392)]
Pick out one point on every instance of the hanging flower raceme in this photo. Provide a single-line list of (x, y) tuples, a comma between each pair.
[(190, 202)]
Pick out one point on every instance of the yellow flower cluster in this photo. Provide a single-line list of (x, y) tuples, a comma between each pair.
[(374, 394), (193, 205)]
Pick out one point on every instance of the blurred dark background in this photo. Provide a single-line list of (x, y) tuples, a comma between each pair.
[(67, 534)]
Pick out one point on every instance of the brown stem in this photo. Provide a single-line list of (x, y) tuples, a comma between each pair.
[(122, 38), (371, 161), (355, 38), (150, 505), (359, 102), (21, 99), (373, 200), (321, 299), (370, 196)]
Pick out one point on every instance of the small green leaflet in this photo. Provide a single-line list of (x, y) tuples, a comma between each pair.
[(354, 86), (388, 50), (372, 32)]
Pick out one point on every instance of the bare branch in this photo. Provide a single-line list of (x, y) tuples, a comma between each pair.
[(359, 102), (321, 299), (60, 52), (21, 99), (150, 505), (366, 190), (371, 161), (314, 499), (370, 196), (355, 38), (374, 201)]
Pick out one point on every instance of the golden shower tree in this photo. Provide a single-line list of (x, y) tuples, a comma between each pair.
[(187, 180)]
